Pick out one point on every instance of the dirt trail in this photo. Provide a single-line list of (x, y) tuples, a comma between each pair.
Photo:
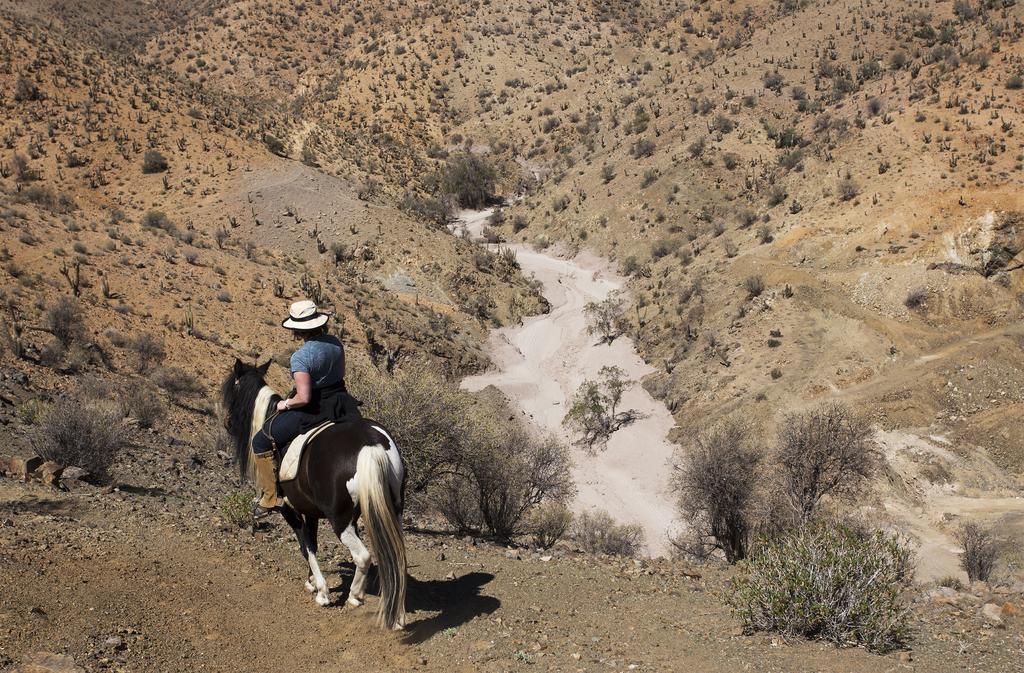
[(122, 584), (542, 362)]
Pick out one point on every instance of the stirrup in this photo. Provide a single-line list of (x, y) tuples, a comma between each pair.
[(261, 512)]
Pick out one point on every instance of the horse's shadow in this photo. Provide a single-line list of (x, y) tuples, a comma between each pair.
[(456, 601)]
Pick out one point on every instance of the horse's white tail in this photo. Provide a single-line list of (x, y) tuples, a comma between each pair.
[(373, 477)]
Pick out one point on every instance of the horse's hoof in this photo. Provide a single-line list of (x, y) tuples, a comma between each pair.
[(398, 627), (323, 600), (310, 588), (354, 602)]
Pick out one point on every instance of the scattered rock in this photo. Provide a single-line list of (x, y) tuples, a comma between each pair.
[(74, 474), (906, 657), (512, 554), (944, 595), (992, 614), (47, 662), (23, 466), (114, 643), (50, 473)]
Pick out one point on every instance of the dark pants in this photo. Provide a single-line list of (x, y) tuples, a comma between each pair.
[(284, 427)]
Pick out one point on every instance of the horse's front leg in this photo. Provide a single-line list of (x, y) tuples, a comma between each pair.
[(293, 519), (309, 530)]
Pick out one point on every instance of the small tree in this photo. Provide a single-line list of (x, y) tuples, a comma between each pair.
[(827, 451), (718, 490), (471, 179), (980, 551), (606, 318), (274, 144), (153, 162), (594, 413)]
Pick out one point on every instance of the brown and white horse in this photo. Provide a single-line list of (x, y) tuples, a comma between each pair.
[(351, 468)]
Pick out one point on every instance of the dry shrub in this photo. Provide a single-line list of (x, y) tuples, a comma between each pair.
[(64, 321), (597, 533), (147, 349), (81, 432), (828, 582), (980, 551), (423, 412), (144, 405), (457, 503), (467, 458), (176, 382), (719, 484), (827, 451), (513, 470), (549, 523)]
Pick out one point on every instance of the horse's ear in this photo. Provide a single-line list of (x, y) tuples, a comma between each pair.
[(239, 368), (262, 369)]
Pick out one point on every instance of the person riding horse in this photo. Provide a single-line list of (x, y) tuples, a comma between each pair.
[(319, 395)]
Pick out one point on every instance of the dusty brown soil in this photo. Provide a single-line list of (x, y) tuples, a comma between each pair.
[(139, 579)]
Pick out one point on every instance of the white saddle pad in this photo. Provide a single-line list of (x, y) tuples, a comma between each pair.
[(290, 462)]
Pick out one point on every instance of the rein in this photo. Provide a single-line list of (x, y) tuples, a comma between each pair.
[(260, 415), (268, 426)]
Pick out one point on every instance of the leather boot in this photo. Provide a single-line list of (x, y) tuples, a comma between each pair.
[(266, 480)]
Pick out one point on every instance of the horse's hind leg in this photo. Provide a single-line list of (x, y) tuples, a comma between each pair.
[(360, 556), (309, 531)]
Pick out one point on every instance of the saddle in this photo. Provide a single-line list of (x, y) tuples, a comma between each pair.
[(293, 454)]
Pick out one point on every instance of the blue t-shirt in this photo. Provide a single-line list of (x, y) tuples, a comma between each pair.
[(323, 358)]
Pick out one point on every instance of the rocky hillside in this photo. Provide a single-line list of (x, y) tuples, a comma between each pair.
[(844, 175), (158, 202)]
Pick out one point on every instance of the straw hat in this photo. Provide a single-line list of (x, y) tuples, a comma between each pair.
[(303, 315)]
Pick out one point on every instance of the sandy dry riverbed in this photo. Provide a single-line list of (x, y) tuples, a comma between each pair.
[(542, 362)]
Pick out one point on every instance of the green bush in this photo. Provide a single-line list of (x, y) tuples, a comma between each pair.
[(829, 582), (237, 509)]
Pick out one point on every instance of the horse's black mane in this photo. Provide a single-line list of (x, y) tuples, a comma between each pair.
[(238, 401)]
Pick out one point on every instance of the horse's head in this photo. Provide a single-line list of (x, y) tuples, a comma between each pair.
[(238, 393)]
